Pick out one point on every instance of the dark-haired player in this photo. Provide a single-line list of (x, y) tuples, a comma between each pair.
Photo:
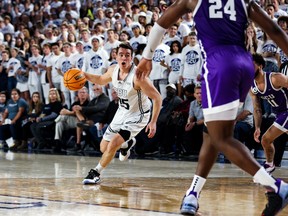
[(133, 113)]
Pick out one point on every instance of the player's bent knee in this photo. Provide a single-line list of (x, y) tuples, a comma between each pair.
[(265, 141)]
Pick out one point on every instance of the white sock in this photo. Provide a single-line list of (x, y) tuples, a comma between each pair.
[(269, 163), (99, 168), (124, 145), (265, 179), (197, 185)]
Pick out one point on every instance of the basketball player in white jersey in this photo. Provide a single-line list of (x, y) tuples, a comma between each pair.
[(133, 113)]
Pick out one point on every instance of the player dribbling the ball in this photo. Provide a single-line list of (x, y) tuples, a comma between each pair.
[(133, 113)]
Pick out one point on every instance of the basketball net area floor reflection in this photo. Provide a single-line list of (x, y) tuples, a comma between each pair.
[(37, 184)]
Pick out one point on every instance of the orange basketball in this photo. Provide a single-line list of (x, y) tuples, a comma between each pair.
[(74, 79)]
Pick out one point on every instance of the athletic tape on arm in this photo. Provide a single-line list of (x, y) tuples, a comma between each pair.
[(154, 39)]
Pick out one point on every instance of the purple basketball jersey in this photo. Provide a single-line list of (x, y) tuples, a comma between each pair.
[(220, 22), (277, 98), (228, 69)]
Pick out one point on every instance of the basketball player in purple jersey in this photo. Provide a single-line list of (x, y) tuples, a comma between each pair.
[(227, 76), (273, 88)]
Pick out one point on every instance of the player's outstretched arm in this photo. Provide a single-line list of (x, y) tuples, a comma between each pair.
[(148, 89), (259, 16), (171, 15), (100, 79)]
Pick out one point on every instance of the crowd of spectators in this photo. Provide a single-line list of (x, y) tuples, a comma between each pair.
[(41, 39)]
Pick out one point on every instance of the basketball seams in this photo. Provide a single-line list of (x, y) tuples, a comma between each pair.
[(71, 84)]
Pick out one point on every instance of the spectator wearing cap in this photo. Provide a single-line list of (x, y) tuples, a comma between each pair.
[(85, 38), (64, 63), (109, 13), (111, 41), (33, 70), (8, 27), (12, 66), (47, 54), (79, 57), (142, 18), (138, 37), (53, 76), (117, 16), (163, 7)]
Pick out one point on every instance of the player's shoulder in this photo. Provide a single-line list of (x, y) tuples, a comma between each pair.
[(277, 75)]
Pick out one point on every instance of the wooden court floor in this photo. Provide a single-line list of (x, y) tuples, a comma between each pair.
[(41, 184)]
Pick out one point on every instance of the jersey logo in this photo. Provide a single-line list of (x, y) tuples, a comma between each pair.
[(66, 65), (158, 55), (33, 63), (176, 64), (269, 48), (80, 62), (121, 92), (254, 90), (135, 45), (192, 57), (87, 48), (96, 62)]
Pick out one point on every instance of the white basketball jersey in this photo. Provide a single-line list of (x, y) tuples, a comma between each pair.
[(130, 100)]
